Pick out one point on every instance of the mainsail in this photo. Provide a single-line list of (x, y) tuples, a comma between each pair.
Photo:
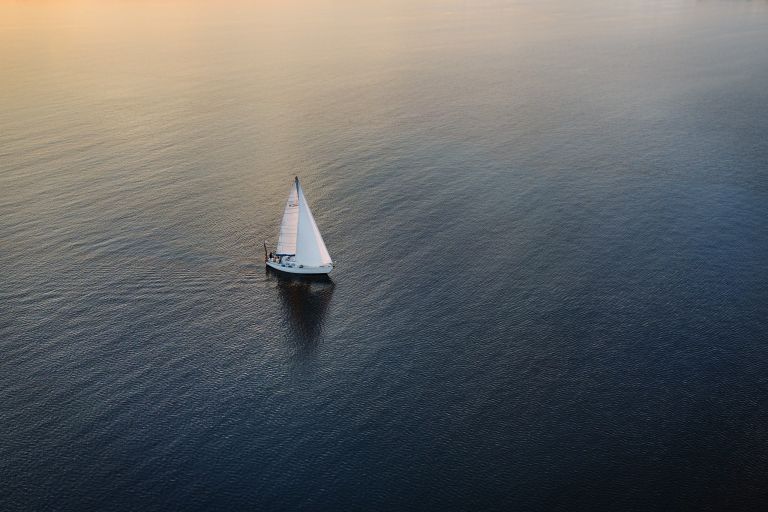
[(286, 242)]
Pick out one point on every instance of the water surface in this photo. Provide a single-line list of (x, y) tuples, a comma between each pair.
[(550, 224)]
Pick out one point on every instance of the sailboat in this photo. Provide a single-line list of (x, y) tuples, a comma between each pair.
[(300, 247)]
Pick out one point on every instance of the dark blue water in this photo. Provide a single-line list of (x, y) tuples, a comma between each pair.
[(550, 224)]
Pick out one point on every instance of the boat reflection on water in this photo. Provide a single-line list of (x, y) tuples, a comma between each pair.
[(305, 302)]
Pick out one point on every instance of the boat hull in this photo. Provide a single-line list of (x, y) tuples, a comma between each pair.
[(296, 269)]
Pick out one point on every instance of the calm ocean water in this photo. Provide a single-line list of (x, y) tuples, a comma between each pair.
[(550, 224)]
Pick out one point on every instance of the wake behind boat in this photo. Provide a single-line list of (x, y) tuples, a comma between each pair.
[(300, 247)]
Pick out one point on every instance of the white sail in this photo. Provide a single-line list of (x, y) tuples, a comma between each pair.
[(286, 242), (310, 247)]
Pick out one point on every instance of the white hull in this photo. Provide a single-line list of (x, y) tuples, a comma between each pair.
[(292, 268)]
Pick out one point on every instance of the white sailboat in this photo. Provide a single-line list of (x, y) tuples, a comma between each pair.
[(300, 247)]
